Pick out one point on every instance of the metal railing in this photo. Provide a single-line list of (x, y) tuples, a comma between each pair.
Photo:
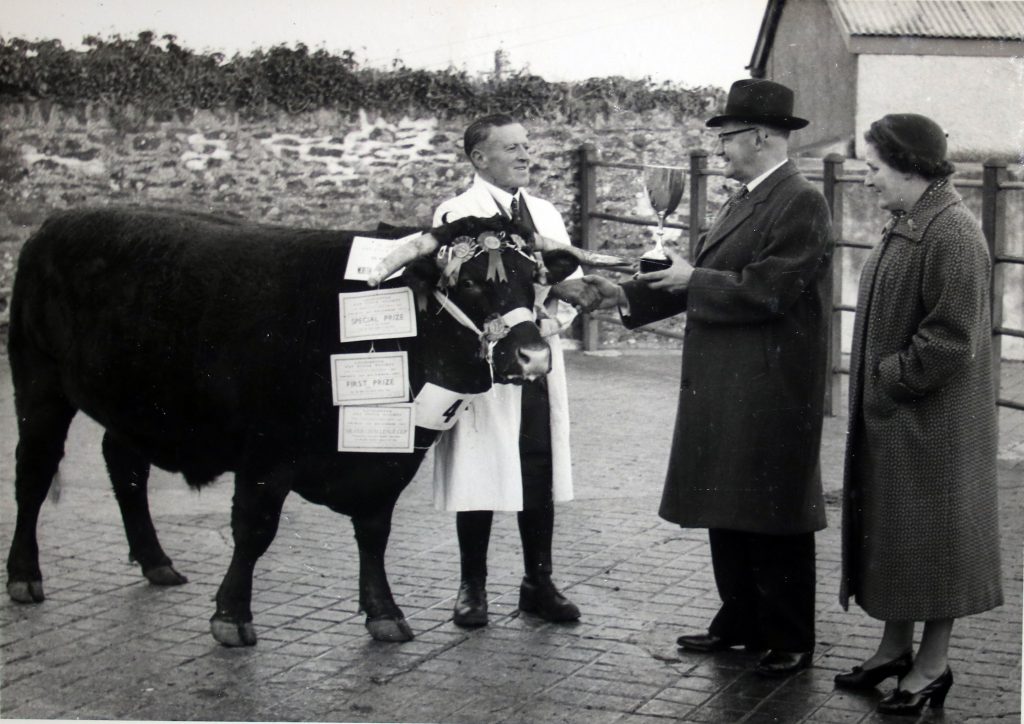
[(993, 185)]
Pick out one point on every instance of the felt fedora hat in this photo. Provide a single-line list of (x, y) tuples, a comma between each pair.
[(753, 100)]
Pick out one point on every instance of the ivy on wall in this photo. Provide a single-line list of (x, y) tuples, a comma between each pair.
[(159, 76)]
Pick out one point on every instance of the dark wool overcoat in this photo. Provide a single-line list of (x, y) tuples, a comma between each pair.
[(748, 428), (920, 517)]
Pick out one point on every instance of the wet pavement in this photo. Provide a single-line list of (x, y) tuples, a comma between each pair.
[(107, 645)]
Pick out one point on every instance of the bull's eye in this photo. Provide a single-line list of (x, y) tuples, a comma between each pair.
[(468, 284)]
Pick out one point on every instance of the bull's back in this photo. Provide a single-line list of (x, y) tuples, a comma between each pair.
[(193, 338)]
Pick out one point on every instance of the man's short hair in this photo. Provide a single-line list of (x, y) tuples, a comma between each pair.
[(480, 129), (776, 130)]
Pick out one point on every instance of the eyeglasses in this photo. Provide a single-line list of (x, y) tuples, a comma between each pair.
[(721, 138)]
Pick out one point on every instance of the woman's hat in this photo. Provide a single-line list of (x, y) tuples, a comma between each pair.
[(754, 100), (918, 140)]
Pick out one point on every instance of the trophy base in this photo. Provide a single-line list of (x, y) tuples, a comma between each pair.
[(653, 263)]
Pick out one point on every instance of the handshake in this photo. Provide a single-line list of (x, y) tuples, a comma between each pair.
[(589, 293), (596, 292)]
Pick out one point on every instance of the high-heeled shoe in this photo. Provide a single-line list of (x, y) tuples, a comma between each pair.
[(905, 702), (861, 678)]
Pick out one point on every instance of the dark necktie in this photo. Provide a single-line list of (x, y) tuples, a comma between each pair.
[(735, 200), (521, 217)]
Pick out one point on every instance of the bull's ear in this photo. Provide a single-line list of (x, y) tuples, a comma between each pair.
[(421, 275), (560, 264)]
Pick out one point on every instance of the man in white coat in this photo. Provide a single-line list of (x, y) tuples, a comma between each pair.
[(510, 450)]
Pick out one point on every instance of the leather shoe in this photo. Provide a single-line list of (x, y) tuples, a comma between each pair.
[(783, 663), (704, 643), (541, 598), (471, 605), (910, 703), (709, 643), (863, 679)]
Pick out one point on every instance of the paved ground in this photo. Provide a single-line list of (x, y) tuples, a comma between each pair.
[(106, 645)]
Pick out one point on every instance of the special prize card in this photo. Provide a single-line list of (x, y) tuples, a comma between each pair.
[(377, 314)]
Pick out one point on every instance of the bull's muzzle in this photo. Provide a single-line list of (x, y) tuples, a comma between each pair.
[(534, 361)]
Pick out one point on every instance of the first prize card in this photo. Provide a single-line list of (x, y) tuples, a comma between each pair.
[(379, 429), (372, 378), (379, 314), (366, 253)]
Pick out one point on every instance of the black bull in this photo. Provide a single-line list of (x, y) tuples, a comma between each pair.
[(202, 345)]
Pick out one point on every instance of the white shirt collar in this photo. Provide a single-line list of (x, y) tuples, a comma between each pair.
[(751, 185), (503, 197)]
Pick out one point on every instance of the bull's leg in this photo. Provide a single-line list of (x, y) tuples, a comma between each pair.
[(384, 619), (43, 421), (255, 514), (129, 473)]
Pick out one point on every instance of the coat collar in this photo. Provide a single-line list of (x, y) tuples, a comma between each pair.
[(502, 198), (912, 225), (758, 196)]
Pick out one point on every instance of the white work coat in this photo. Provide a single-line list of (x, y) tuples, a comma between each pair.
[(476, 463)]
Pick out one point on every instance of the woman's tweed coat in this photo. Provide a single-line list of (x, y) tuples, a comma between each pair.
[(920, 520)]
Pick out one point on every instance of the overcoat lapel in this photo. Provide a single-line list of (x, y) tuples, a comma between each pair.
[(734, 218)]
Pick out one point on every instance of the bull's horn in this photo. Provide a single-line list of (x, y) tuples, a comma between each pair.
[(583, 256), (420, 246)]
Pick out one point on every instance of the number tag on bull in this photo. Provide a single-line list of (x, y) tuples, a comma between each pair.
[(376, 428), (438, 408), (373, 378), (381, 314), (366, 253)]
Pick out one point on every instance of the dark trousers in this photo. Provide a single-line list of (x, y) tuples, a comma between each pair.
[(537, 518), (766, 583)]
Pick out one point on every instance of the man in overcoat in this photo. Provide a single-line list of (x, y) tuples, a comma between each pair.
[(744, 459)]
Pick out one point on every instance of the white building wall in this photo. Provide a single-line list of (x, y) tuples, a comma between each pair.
[(979, 101)]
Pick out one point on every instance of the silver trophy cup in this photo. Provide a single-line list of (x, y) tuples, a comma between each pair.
[(664, 186)]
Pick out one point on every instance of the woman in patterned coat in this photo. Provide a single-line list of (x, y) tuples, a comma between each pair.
[(920, 522)]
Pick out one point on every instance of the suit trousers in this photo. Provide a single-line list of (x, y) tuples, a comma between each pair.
[(766, 583)]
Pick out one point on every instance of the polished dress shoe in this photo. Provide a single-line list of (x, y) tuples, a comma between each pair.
[(863, 679), (905, 702), (783, 663), (705, 643), (471, 604), (541, 598)]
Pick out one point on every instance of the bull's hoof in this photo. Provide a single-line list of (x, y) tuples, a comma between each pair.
[(26, 591), (233, 633), (392, 630), (164, 576)]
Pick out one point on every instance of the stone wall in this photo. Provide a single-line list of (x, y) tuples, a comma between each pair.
[(319, 169)]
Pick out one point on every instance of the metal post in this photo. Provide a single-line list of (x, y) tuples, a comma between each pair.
[(698, 196), (993, 225), (831, 171), (591, 328)]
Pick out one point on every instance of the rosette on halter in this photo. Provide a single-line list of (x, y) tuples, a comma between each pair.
[(460, 251), (495, 328), (495, 269), (492, 240)]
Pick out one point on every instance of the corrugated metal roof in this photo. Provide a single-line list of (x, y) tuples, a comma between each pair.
[(976, 19)]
